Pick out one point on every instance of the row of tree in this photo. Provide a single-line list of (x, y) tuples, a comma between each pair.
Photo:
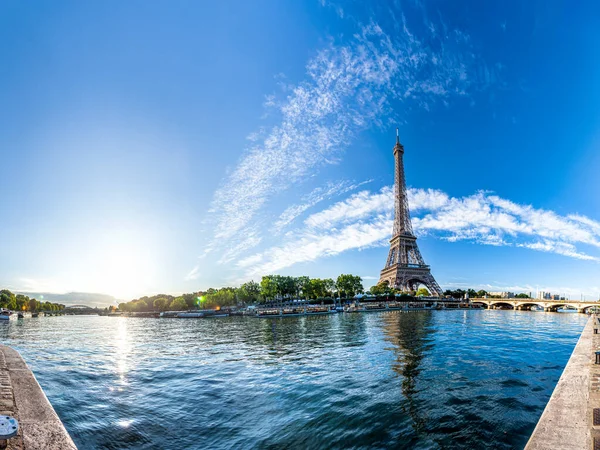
[(385, 289), (460, 293), (20, 302), (270, 288)]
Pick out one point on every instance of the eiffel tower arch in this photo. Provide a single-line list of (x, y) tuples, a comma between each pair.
[(405, 268)]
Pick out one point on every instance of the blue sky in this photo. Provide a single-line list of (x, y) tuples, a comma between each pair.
[(154, 147)]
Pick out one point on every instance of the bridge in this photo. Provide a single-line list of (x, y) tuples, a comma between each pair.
[(525, 304)]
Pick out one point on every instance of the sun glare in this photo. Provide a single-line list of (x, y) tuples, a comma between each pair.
[(123, 266)]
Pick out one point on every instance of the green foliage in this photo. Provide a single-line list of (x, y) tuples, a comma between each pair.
[(268, 287), (249, 292), (522, 296), (301, 285), (32, 305), (178, 304), (317, 288), (271, 287), (481, 293), (329, 286), (191, 300), (8, 299), (381, 289), (161, 304), (459, 293), (423, 292), (349, 285), (22, 302), (222, 297)]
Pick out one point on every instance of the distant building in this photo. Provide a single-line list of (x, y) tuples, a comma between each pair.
[(556, 297), (502, 294), (543, 295)]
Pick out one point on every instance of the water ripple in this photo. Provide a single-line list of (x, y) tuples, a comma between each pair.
[(421, 380)]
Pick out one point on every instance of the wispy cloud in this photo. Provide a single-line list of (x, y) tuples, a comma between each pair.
[(193, 274), (365, 220), (318, 195), (347, 89)]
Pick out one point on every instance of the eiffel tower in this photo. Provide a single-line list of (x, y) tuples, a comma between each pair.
[(405, 268)]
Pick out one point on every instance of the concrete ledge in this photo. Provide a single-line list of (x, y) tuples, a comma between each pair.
[(565, 423), (22, 397)]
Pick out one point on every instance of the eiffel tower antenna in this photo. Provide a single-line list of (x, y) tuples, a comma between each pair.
[(405, 268)]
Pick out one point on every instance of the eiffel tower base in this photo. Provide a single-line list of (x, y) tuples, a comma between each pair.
[(407, 278)]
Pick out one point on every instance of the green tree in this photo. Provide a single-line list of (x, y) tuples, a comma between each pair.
[(423, 292), (522, 296), (249, 292), (33, 305), (328, 287), (349, 285), (301, 285), (481, 293), (381, 289), (22, 302), (315, 288), (160, 304), (459, 293), (7, 299), (191, 300), (178, 304), (222, 297), (268, 287), (286, 286)]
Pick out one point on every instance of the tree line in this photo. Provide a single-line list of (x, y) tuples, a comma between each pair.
[(271, 288), (385, 289), (460, 293), (20, 302)]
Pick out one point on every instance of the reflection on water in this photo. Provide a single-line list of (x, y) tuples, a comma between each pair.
[(410, 335), (447, 379)]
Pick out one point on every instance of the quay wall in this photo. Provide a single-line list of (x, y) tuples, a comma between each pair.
[(566, 421), (22, 397)]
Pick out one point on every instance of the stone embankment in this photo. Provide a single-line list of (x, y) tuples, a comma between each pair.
[(22, 397), (567, 422)]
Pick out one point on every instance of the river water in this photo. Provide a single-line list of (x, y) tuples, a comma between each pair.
[(418, 380)]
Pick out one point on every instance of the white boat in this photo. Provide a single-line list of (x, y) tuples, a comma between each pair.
[(5, 314)]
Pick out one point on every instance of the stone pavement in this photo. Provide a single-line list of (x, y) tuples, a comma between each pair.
[(22, 397), (566, 421), (594, 401)]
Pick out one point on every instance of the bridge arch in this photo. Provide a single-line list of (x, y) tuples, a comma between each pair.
[(529, 305), (501, 305)]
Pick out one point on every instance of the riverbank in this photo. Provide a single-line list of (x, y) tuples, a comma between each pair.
[(22, 397), (566, 422)]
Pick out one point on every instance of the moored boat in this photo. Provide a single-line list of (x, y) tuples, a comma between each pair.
[(295, 311), (5, 314)]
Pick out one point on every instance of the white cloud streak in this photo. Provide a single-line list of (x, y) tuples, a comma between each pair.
[(318, 195), (365, 220)]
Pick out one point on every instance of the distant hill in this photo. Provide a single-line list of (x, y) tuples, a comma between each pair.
[(76, 298)]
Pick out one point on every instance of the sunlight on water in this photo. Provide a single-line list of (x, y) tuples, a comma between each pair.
[(459, 379)]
